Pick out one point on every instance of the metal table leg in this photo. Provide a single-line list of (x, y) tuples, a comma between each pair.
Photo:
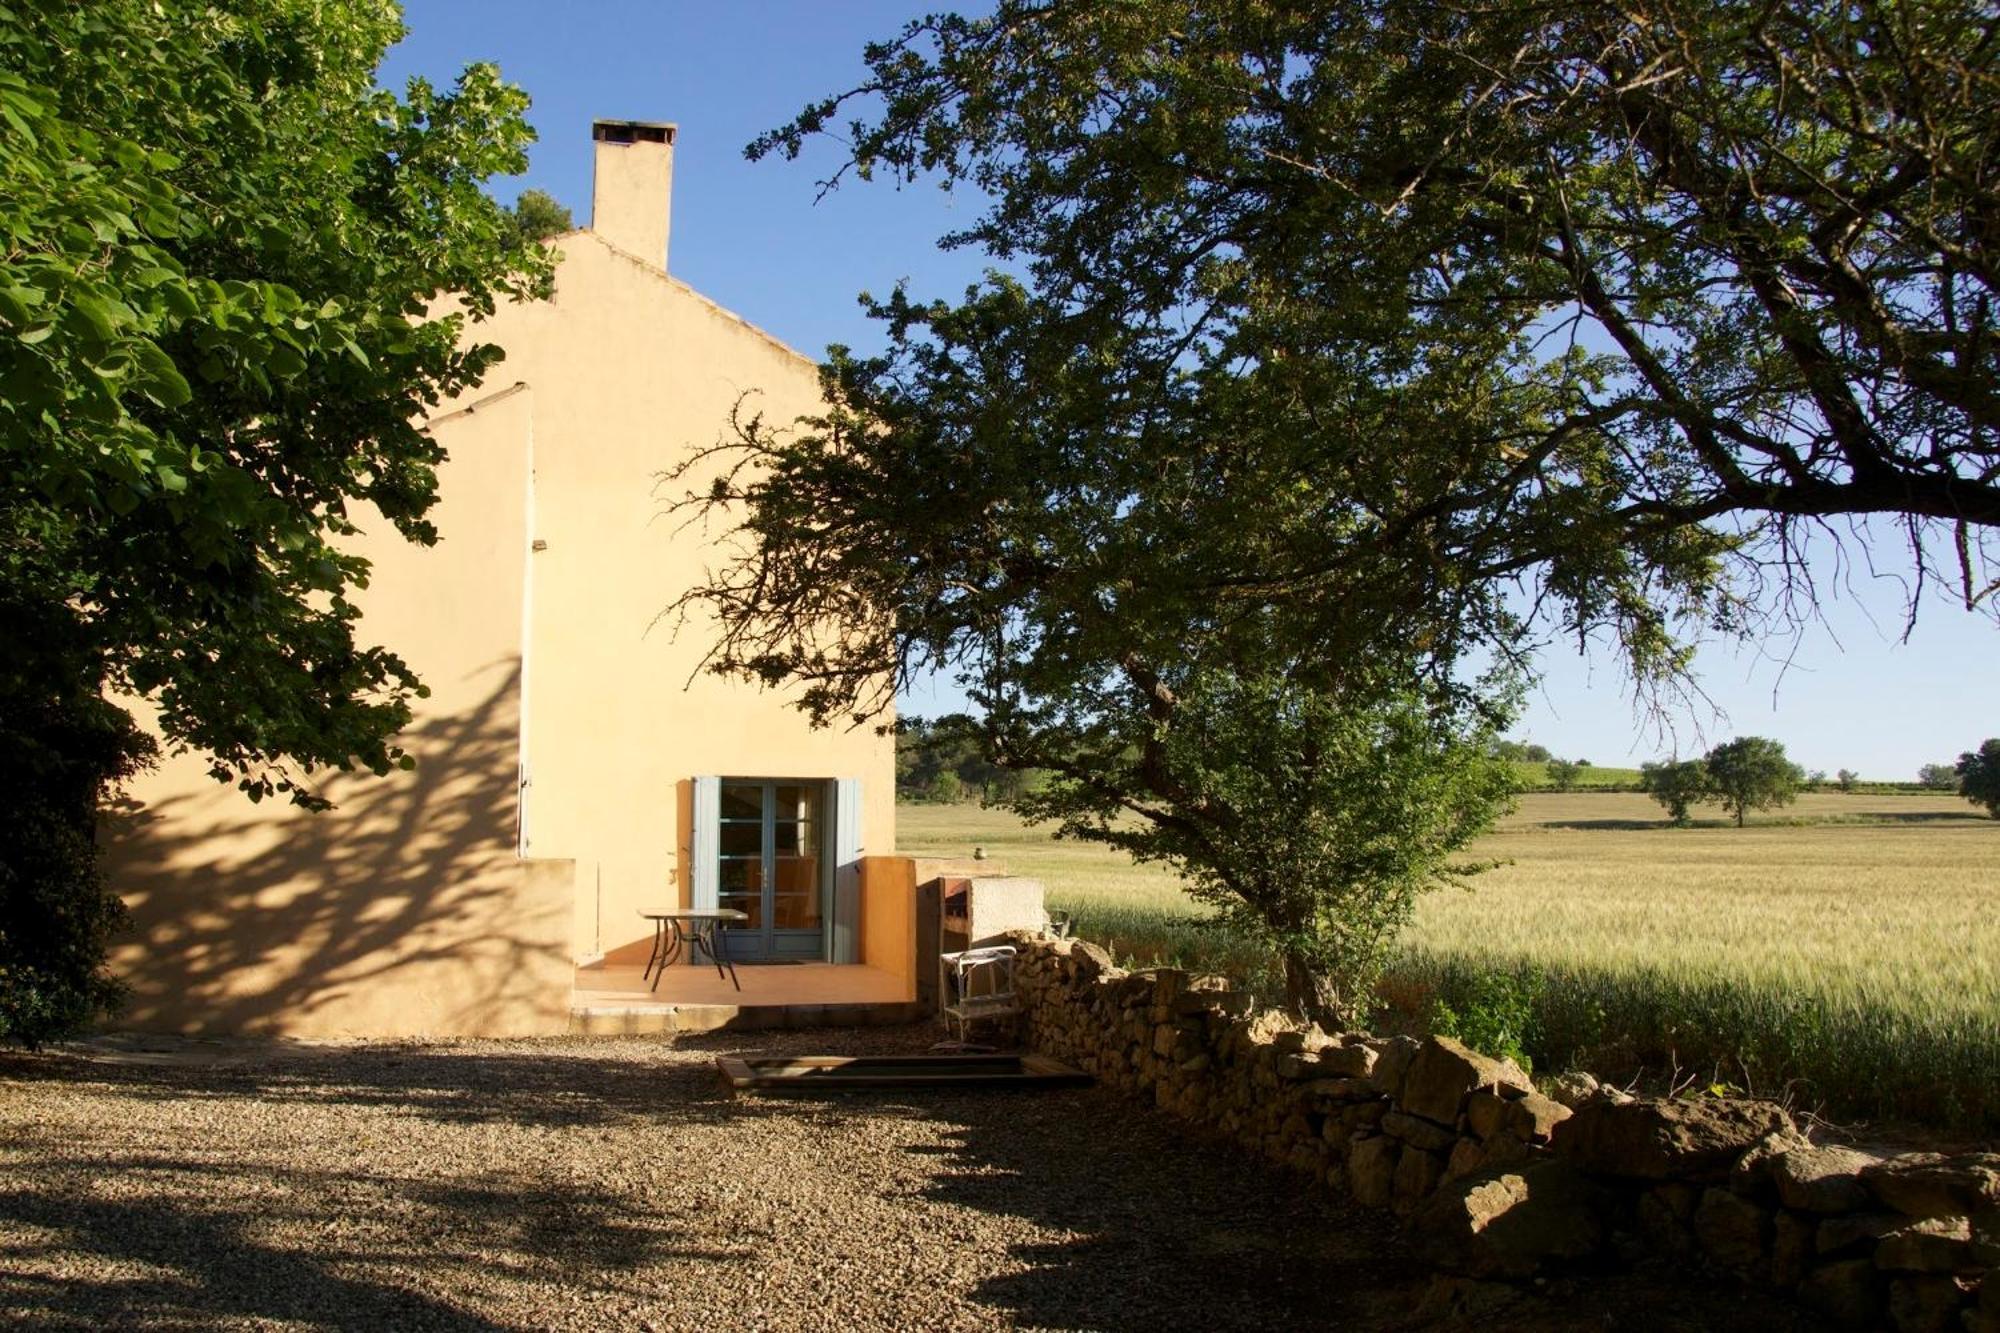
[(656, 958), (717, 947), (666, 948)]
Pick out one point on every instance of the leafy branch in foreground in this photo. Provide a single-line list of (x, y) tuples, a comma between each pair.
[(223, 258), (1729, 262)]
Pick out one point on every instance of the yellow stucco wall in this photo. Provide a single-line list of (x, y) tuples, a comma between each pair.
[(405, 910), (632, 370), (409, 909)]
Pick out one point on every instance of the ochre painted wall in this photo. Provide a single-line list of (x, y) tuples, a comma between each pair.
[(889, 917), (409, 909), (406, 909), (632, 372)]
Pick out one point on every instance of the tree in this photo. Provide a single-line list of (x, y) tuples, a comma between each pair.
[(66, 749), (1312, 821), (945, 789), (537, 216), (1677, 785), (1939, 777), (1326, 325), (1846, 779), (1563, 773), (1752, 773), (222, 246), (1979, 776), (1712, 264)]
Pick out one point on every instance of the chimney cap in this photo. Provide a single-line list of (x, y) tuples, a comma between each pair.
[(633, 131)]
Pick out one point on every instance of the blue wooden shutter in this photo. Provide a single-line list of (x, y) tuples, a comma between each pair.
[(704, 874), (846, 871)]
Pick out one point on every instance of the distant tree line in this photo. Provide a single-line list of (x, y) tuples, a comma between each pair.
[(1752, 773), (941, 761)]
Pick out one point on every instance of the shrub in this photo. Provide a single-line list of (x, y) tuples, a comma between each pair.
[(1492, 1011), (66, 749)]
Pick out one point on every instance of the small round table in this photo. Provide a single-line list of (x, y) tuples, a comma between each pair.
[(694, 929)]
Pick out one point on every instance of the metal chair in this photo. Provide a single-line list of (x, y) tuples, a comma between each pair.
[(976, 984)]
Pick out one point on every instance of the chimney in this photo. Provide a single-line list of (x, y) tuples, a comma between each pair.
[(633, 185)]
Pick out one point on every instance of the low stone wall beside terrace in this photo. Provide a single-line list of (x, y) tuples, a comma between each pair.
[(1496, 1179)]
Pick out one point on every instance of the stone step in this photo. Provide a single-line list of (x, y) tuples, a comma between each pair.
[(601, 1020)]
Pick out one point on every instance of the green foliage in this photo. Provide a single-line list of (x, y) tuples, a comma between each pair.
[(1654, 955), (1362, 218), (1489, 1009), (1811, 1041), (1563, 773), (221, 248), (1586, 777), (66, 751), (1938, 777), (1845, 779), (944, 761), (1979, 776), (537, 216), (1283, 380), (1307, 820), (1752, 773), (1677, 785)]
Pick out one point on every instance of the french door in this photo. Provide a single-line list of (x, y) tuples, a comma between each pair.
[(772, 847)]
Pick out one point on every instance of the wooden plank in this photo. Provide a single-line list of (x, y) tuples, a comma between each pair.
[(832, 1072)]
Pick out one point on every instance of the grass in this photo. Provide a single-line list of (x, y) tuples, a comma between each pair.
[(1532, 773), (1846, 948)]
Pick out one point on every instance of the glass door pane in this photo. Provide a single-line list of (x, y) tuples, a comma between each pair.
[(742, 879), (772, 849), (795, 846)]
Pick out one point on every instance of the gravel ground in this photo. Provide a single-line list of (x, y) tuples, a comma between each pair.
[(614, 1184)]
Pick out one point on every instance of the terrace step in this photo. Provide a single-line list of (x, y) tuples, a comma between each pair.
[(603, 1020)]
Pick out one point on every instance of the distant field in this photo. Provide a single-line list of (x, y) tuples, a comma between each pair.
[(1532, 773), (1849, 942)]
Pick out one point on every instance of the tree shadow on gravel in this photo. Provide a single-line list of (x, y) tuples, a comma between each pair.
[(455, 1085), (1138, 1221), (1166, 1231), (110, 1239), (1174, 1229), (188, 1268), (108, 1234)]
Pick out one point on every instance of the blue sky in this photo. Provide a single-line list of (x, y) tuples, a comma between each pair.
[(1846, 694)]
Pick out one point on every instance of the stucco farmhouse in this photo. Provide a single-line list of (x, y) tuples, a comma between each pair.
[(575, 768)]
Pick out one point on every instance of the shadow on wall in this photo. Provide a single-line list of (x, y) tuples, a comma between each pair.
[(405, 910)]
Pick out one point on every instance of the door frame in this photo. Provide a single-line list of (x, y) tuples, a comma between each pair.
[(770, 942)]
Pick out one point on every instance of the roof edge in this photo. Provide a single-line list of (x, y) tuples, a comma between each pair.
[(654, 270)]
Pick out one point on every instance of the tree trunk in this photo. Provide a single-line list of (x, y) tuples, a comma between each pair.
[(1307, 995)]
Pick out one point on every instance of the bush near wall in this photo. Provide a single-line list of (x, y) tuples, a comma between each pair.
[(1497, 1179)]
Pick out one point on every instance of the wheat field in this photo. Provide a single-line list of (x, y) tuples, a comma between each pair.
[(1844, 950)]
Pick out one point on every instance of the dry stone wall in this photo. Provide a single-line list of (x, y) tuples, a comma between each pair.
[(1496, 1179)]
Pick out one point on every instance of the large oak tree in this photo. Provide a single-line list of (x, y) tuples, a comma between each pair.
[(1326, 327)]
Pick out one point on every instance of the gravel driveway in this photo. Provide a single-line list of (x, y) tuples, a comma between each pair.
[(614, 1185)]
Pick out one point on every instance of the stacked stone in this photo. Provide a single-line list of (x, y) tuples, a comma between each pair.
[(1867, 1241), (1498, 1180)]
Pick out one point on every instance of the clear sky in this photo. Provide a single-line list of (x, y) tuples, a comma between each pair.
[(1847, 694)]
